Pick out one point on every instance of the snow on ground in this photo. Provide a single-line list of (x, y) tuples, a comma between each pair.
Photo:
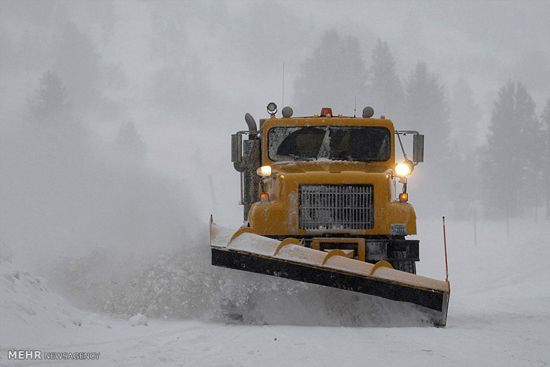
[(499, 315)]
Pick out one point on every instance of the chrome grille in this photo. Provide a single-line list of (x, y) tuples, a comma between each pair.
[(326, 207)]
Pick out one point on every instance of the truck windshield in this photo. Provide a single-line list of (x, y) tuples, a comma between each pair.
[(339, 143)]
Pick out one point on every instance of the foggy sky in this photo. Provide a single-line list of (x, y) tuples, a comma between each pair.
[(232, 52), (186, 72)]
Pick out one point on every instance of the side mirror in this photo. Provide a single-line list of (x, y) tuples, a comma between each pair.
[(236, 148), (418, 148)]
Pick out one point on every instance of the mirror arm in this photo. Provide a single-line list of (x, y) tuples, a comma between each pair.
[(400, 143), (416, 136)]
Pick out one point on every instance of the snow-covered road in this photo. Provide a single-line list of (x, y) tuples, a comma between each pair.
[(499, 316), (475, 336)]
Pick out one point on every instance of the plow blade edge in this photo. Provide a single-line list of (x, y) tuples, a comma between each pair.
[(290, 259)]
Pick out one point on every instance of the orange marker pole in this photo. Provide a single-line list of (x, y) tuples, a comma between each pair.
[(445, 245)]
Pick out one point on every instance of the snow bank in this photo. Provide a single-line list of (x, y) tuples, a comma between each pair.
[(138, 319), (28, 305)]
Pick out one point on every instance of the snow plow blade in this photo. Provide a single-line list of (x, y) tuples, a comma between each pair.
[(289, 259)]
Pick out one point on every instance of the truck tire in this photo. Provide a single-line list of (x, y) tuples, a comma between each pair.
[(408, 266)]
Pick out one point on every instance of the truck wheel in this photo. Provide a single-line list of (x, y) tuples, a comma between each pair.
[(408, 266)]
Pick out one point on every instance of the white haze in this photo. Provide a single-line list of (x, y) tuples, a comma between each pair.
[(184, 74)]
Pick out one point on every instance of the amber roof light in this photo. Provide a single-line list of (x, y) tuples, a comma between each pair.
[(326, 111)]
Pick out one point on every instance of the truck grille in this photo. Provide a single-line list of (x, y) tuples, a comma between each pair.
[(325, 207)]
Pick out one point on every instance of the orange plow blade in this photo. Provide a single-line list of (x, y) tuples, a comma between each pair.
[(289, 259)]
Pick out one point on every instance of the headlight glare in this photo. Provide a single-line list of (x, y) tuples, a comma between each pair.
[(264, 171), (404, 169)]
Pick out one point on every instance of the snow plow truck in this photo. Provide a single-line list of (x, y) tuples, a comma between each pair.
[(326, 203)]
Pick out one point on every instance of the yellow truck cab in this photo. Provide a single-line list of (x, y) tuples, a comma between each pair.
[(331, 182)]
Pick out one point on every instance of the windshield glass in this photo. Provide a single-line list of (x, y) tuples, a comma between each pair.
[(339, 143)]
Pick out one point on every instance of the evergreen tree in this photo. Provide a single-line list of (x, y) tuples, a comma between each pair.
[(130, 148), (78, 64), (332, 77), (427, 109), (530, 147), (465, 115), (179, 83), (428, 113), (500, 167), (545, 154), (53, 127), (385, 89), (511, 162), (50, 98)]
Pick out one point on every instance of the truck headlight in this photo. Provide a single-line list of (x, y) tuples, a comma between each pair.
[(405, 168), (264, 171)]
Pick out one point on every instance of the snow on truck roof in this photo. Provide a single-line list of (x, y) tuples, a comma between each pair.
[(327, 121)]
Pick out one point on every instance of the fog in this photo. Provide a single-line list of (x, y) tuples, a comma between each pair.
[(115, 116)]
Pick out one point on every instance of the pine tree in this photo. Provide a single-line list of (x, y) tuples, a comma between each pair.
[(501, 168), (50, 98), (465, 115), (130, 148), (427, 111), (53, 127), (78, 64), (511, 162), (179, 82), (385, 89), (545, 154), (530, 146), (332, 77)]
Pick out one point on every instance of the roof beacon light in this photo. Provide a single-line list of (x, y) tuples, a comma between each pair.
[(326, 111), (287, 112), (368, 112), (272, 109)]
